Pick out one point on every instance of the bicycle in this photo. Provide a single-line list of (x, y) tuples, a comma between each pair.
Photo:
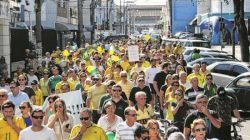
[(236, 136)]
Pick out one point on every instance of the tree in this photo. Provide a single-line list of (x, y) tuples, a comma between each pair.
[(240, 27)]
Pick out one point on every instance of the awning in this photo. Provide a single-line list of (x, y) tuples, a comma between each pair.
[(66, 27), (193, 21)]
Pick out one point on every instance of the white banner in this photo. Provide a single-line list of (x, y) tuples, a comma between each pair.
[(74, 103), (133, 53)]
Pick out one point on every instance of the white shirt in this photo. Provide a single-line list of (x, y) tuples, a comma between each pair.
[(45, 134), (150, 74), (31, 78), (125, 132), (104, 124)]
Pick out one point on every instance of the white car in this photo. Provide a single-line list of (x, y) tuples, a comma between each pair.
[(224, 72)]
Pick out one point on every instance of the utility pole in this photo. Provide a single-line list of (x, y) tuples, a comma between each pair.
[(38, 5), (107, 23), (120, 16), (80, 38), (92, 20)]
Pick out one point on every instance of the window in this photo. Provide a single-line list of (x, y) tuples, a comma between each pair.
[(237, 70), (188, 52), (243, 82), (222, 68)]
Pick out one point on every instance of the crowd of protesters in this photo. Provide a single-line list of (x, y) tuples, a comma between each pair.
[(123, 100)]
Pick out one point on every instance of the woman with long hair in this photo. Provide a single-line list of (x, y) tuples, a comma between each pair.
[(153, 127), (50, 109), (109, 121), (60, 121), (26, 108)]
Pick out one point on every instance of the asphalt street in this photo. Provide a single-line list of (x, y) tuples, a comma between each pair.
[(243, 131)]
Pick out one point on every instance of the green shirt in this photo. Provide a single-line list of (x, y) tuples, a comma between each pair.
[(211, 91), (53, 81)]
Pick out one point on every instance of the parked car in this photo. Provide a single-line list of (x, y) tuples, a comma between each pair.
[(189, 51), (211, 55), (208, 60), (196, 43), (239, 87), (224, 72)]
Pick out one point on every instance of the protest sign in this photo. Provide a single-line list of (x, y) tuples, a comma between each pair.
[(74, 103), (133, 53)]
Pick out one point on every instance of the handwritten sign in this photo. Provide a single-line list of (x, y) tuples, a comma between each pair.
[(133, 53)]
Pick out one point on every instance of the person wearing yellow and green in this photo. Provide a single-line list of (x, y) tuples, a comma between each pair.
[(209, 87), (64, 80), (87, 130), (125, 63), (125, 83), (43, 84), (196, 73), (95, 93), (11, 125), (38, 93)]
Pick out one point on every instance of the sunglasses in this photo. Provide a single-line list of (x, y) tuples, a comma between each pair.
[(200, 129), (124, 76), (2, 96), (133, 115), (51, 101), (84, 118), (22, 107), (37, 117), (117, 90), (58, 106), (141, 80), (95, 79)]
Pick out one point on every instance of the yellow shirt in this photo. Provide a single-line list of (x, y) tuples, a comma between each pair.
[(125, 66), (146, 64), (38, 97), (95, 93), (144, 116), (170, 115), (199, 76), (116, 77), (94, 132), (59, 84), (126, 87), (8, 133), (44, 87), (107, 71), (75, 82), (204, 74)]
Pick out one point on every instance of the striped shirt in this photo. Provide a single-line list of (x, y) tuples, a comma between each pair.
[(125, 132)]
